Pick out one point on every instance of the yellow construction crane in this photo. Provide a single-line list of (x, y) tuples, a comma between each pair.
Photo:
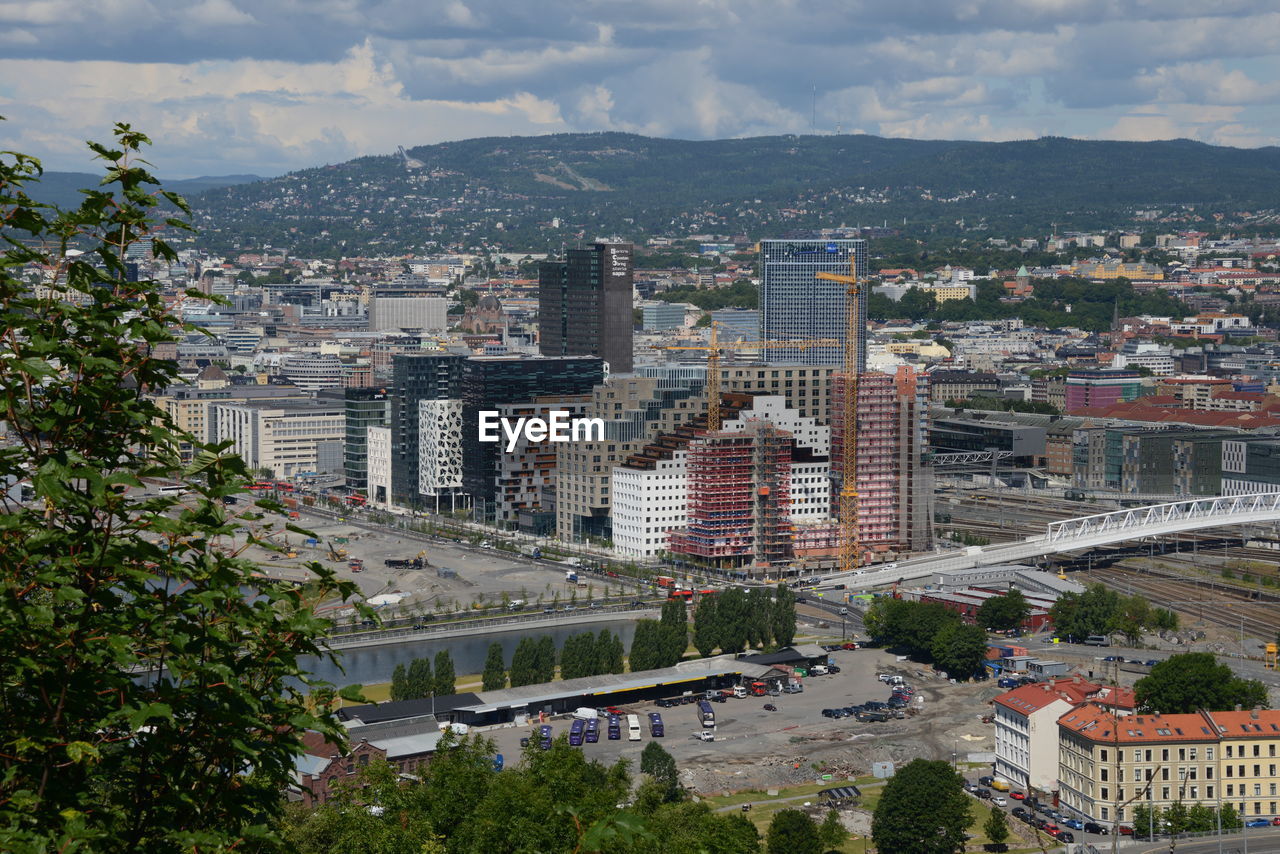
[(849, 546), (713, 348)]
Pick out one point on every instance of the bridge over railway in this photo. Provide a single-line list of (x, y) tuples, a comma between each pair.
[(1085, 532)]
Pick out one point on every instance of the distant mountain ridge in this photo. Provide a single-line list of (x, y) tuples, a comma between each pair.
[(541, 192), (63, 188)]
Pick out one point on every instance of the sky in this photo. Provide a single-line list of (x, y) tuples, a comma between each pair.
[(267, 86)]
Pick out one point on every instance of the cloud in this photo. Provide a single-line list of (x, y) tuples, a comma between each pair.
[(269, 85)]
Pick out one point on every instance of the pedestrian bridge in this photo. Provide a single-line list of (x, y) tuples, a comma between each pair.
[(1085, 532)]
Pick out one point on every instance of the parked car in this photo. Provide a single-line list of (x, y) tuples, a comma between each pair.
[(1018, 812), (1073, 823), (1258, 822), (1276, 821), (1094, 827), (770, 707), (1017, 796), (999, 801), (985, 794), (1125, 830), (1066, 836)]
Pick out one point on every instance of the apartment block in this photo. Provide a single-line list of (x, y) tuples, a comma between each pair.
[(1204, 757), (283, 437)]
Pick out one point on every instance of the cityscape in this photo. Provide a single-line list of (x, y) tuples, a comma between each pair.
[(581, 484)]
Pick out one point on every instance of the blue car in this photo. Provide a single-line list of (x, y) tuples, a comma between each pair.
[(1258, 822), (1074, 823), (498, 762)]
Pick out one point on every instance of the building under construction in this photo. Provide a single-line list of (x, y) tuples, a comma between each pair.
[(739, 488), (895, 494)]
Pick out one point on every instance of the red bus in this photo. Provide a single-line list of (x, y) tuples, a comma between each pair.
[(283, 487), (686, 595), (356, 500), (261, 485)]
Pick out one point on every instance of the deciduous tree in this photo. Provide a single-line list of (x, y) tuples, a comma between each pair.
[(138, 682), (923, 809), (792, 832), (445, 682), (1195, 680), (1002, 613)]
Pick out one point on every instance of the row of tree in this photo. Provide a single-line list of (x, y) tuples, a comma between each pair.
[(737, 620), (1181, 818), (417, 681), (927, 631), (662, 642), (533, 662), (1100, 611)]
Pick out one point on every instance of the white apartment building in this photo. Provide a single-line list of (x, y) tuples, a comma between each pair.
[(282, 436), (647, 504), (378, 449)]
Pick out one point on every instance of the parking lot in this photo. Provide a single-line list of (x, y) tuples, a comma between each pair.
[(758, 748)]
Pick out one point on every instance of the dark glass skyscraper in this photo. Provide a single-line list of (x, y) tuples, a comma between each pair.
[(584, 305), (416, 377), (795, 304)]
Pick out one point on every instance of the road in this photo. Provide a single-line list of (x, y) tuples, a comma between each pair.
[(1263, 840)]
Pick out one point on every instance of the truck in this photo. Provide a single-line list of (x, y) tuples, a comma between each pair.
[(739, 691), (356, 564), (705, 735), (633, 727), (664, 581), (759, 689), (515, 604), (571, 576)]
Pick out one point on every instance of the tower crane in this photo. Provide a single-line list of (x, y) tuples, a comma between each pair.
[(713, 348), (849, 546)]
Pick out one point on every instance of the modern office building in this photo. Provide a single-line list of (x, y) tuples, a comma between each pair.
[(511, 385), (635, 408), (363, 408), (662, 316), (190, 407), (1101, 388), (737, 324), (282, 437), (378, 466), (408, 314), (795, 304), (311, 370), (584, 305), (416, 377)]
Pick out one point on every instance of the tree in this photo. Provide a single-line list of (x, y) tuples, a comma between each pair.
[(1146, 820), (545, 659), (494, 677), (674, 637), (1195, 680), (733, 619), (996, 828), (832, 833), (792, 832), (420, 682), (923, 809), (959, 650), (102, 590), (706, 630), (399, 683), (613, 653), (445, 683), (524, 663), (661, 766), (1002, 613), (1231, 819), (645, 650), (783, 616)]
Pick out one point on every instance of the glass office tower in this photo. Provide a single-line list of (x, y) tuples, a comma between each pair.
[(795, 304)]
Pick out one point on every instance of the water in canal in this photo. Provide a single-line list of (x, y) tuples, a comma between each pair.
[(375, 664)]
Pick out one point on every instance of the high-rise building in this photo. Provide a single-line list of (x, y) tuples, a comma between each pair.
[(795, 304), (584, 305), (894, 490), (363, 408), (515, 387), (416, 377)]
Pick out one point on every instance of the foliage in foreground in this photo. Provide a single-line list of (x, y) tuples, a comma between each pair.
[(550, 801), (145, 703)]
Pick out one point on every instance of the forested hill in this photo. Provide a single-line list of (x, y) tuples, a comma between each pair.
[(539, 192)]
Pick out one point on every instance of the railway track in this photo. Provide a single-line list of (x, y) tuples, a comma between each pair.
[(1256, 613)]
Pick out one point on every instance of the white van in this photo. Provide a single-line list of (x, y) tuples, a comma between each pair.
[(633, 727), (584, 713)]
